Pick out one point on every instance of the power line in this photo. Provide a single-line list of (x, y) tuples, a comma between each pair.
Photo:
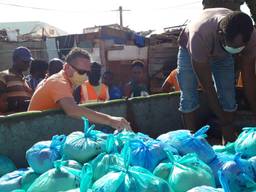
[(29, 7), (86, 11), (44, 9)]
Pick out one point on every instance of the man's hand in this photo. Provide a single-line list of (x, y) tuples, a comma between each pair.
[(73, 110), (119, 123)]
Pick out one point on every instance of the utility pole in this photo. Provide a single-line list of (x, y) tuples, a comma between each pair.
[(120, 9)]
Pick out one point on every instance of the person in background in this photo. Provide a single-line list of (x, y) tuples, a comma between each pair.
[(38, 70), (205, 55), (57, 92), (136, 86), (93, 90), (3, 102), (171, 83), (55, 65), (114, 91), (12, 81)]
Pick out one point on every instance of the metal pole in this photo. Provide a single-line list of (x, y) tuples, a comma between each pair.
[(121, 15)]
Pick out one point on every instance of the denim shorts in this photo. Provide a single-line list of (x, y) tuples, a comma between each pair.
[(223, 77)]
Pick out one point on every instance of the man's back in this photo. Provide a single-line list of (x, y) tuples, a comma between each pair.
[(50, 92), (200, 36)]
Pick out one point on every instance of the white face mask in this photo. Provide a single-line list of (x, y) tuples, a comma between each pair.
[(232, 50), (78, 79)]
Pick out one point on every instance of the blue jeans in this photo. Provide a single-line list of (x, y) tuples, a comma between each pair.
[(223, 76)]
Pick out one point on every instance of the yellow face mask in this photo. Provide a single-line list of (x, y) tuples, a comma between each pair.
[(78, 79)]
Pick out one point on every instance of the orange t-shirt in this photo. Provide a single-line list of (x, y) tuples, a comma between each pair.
[(90, 93), (50, 91), (172, 80)]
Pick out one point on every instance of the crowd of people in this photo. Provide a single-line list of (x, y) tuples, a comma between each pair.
[(65, 84), (17, 88), (209, 46)]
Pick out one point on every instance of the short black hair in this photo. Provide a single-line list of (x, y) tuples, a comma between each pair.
[(137, 63), (55, 65), (237, 23), (108, 73), (38, 66), (75, 53), (96, 66)]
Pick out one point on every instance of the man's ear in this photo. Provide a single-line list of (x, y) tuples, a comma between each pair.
[(67, 69)]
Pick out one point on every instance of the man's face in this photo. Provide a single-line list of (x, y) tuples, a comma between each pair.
[(95, 75), (137, 74), (78, 70), (80, 65), (235, 46), (107, 79), (237, 42), (21, 65)]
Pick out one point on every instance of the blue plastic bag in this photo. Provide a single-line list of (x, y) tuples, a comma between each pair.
[(83, 147), (6, 165), (20, 179), (185, 143), (41, 156), (246, 142), (11, 181), (28, 178), (228, 149), (146, 154), (102, 164), (237, 176), (123, 137), (72, 164), (60, 178), (217, 163), (174, 137), (184, 173), (206, 189), (85, 176), (128, 178), (252, 161)]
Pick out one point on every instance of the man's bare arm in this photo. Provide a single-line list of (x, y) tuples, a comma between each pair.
[(73, 110)]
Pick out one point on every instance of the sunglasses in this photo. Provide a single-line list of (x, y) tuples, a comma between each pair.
[(80, 71)]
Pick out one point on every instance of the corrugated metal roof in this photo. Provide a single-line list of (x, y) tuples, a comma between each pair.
[(27, 27)]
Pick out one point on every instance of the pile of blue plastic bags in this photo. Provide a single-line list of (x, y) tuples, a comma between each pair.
[(93, 161)]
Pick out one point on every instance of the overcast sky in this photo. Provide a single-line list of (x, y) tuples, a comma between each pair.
[(74, 15)]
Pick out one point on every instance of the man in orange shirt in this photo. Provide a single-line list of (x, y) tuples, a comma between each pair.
[(56, 91), (171, 84)]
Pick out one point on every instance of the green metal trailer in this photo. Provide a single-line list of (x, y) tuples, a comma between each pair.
[(152, 115)]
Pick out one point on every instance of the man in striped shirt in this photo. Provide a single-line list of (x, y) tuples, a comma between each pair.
[(12, 81)]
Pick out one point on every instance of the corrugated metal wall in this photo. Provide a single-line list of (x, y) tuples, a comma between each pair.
[(38, 49)]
